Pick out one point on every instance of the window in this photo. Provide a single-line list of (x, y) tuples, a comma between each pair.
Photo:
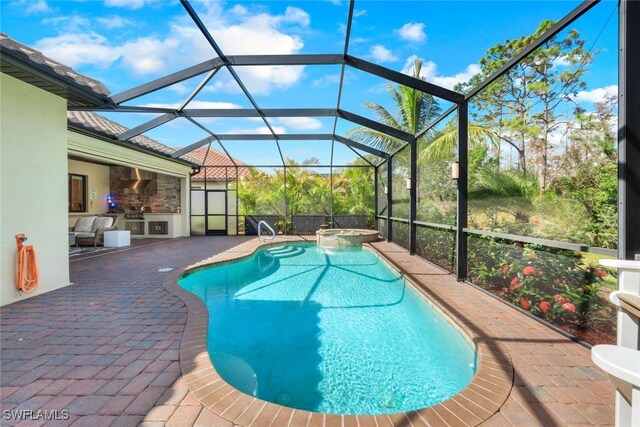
[(77, 193)]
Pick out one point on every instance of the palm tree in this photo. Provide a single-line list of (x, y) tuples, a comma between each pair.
[(415, 109), (510, 192)]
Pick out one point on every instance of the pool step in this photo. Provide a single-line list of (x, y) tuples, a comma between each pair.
[(285, 251), (278, 249)]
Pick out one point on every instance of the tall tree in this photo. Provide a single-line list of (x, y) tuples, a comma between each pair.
[(524, 107)]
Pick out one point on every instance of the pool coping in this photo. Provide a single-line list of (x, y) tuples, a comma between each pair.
[(477, 402)]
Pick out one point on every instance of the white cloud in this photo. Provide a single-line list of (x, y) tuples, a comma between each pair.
[(596, 95), (111, 22), (263, 80), (359, 12), (253, 34), (179, 88), (143, 56), (80, 49), (262, 130), (558, 134), (429, 72), (382, 54), (127, 4), (239, 10), (68, 24), (148, 54), (32, 7), (378, 89), (297, 16), (298, 123), (412, 31), (237, 33), (326, 80), (39, 6)]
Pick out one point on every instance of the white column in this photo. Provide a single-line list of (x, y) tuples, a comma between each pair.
[(628, 330)]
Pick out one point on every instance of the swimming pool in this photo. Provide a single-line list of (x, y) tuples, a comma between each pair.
[(329, 331)]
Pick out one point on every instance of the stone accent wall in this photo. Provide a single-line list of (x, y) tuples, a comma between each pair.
[(166, 198)]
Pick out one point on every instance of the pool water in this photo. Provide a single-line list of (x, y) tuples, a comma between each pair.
[(333, 331)]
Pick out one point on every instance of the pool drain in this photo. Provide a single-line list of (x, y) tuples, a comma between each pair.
[(390, 400), (283, 399)]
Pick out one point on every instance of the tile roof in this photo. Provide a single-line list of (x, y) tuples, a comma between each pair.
[(100, 125), (41, 62), (216, 158)]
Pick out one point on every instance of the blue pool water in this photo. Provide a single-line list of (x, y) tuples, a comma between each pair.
[(333, 332)]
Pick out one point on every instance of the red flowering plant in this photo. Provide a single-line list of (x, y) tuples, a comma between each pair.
[(553, 284)]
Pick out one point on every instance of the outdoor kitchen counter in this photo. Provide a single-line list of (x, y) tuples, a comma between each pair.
[(153, 225)]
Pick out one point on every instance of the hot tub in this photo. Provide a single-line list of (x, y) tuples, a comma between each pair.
[(345, 237)]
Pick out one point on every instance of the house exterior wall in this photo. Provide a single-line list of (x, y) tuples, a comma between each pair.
[(33, 177), (98, 180)]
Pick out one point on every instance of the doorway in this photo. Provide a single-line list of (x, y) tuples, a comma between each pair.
[(216, 212)]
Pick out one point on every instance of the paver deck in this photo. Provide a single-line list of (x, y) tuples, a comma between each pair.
[(107, 350)]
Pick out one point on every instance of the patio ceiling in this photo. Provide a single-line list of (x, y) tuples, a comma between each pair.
[(211, 69)]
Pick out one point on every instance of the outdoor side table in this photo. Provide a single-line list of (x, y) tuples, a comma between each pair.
[(117, 238)]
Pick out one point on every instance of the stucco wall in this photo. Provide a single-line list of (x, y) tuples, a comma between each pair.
[(33, 177), (98, 180)]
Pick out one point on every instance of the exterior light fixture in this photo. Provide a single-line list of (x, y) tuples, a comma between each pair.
[(455, 170), (408, 183), (386, 190)]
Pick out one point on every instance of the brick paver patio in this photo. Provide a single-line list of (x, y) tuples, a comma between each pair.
[(107, 349)]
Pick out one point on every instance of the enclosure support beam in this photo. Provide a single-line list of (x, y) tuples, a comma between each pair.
[(250, 112), (403, 79), (192, 147), (377, 126), (206, 129), (350, 143), (413, 200), (167, 80), (628, 176), (389, 198), (375, 196), (629, 130), (151, 124), (462, 201), (284, 183)]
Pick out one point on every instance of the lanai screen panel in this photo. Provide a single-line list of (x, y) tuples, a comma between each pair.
[(292, 86), (550, 170), (275, 27), (428, 29), (543, 180)]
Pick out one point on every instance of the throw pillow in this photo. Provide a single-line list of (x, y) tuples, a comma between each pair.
[(102, 222), (84, 224)]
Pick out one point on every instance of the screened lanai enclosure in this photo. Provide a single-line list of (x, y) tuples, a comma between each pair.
[(513, 177)]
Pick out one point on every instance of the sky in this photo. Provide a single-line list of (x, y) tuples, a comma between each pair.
[(125, 43)]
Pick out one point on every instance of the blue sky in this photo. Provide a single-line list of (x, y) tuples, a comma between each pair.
[(125, 43)]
